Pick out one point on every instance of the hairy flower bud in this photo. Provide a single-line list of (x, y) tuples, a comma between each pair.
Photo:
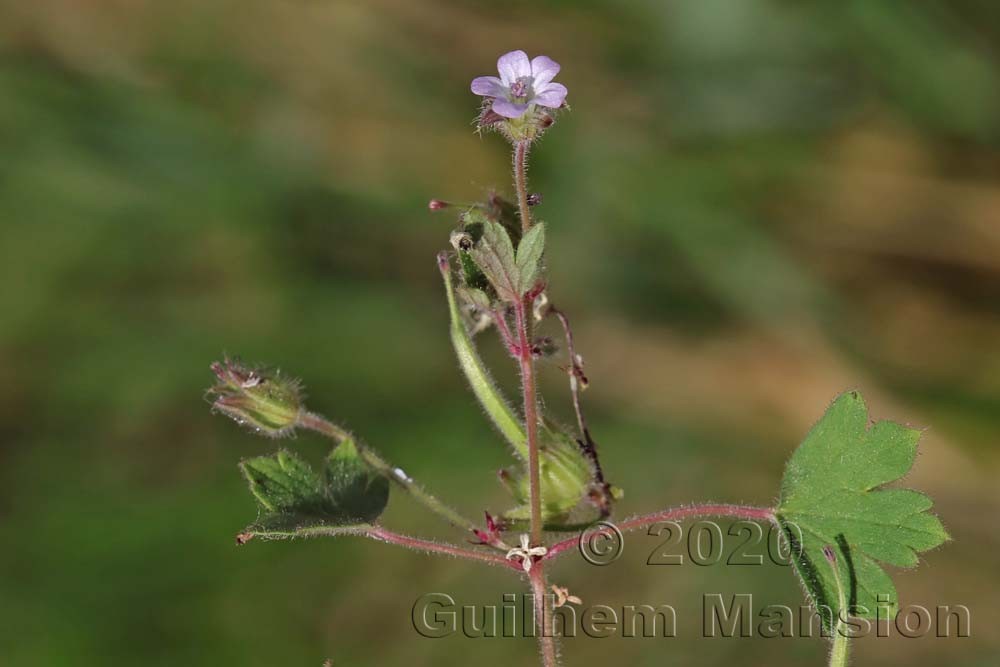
[(265, 401)]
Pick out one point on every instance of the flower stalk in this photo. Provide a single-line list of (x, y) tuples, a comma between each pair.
[(522, 318), (325, 427), (521, 183), (527, 364), (839, 650)]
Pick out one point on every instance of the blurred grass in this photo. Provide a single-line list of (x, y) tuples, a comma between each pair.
[(752, 207)]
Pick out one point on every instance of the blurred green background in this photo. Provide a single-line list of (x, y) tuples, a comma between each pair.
[(753, 206)]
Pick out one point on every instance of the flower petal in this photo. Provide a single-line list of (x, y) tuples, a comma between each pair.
[(543, 70), (552, 96), (508, 109), (512, 66), (488, 86)]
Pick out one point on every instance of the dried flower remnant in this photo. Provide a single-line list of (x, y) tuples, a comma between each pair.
[(563, 596), (526, 553)]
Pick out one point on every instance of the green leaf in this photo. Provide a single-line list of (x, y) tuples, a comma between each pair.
[(529, 254), (295, 500), (281, 482), (831, 495), (494, 255), (359, 493)]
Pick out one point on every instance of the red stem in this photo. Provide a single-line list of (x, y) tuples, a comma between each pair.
[(673, 514), (530, 421), (385, 535), (521, 183), (543, 616), (505, 335)]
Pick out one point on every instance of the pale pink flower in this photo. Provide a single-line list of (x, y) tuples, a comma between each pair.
[(521, 84)]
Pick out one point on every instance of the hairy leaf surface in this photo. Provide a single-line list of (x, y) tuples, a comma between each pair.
[(831, 495)]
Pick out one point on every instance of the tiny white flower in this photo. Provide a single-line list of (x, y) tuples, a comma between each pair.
[(526, 552)]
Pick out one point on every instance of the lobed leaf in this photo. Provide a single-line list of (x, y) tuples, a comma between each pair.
[(295, 500), (831, 495)]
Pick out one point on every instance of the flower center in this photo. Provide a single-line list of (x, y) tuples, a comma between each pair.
[(519, 89)]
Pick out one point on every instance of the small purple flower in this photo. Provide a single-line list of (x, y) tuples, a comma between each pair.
[(521, 84)]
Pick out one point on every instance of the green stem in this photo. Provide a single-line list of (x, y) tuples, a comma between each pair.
[(839, 651), (323, 426)]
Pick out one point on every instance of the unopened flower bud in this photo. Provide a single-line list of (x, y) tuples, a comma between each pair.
[(534, 199), (437, 204), (267, 402), (544, 347), (443, 264)]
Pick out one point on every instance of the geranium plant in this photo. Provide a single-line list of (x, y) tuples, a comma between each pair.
[(839, 525)]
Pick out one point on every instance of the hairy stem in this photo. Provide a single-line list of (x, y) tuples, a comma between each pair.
[(543, 615), (838, 653), (418, 544), (674, 514), (521, 182), (325, 427), (505, 334), (382, 534), (527, 363), (546, 640)]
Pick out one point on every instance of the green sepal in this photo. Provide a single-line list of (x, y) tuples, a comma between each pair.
[(475, 298), (266, 401), (565, 475)]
